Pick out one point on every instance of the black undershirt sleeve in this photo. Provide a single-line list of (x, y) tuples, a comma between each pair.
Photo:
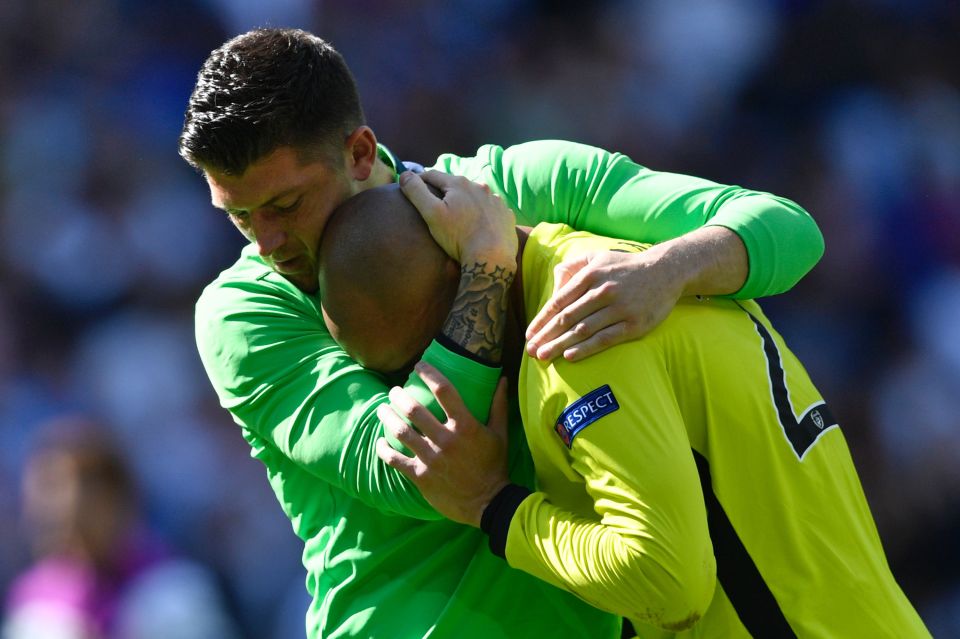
[(452, 346), (495, 521)]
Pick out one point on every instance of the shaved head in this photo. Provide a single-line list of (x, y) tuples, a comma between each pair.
[(385, 285)]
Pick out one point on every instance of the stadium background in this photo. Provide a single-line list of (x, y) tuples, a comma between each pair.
[(850, 107)]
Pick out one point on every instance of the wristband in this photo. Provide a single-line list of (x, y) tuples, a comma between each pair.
[(496, 517), (453, 347)]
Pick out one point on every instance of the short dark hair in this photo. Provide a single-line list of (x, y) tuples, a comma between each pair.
[(265, 89)]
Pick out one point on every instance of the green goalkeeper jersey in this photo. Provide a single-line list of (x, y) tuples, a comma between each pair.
[(380, 561)]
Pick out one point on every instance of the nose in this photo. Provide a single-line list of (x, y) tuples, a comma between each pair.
[(268, 234)]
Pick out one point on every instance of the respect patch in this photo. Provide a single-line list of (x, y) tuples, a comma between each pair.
[(584, 412)]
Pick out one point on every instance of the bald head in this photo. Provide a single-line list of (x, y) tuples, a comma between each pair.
[(385, 285)]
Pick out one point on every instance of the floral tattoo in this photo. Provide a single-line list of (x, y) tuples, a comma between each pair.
[(478, 317)]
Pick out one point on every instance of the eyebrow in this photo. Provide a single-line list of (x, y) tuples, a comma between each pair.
[(270, 202)]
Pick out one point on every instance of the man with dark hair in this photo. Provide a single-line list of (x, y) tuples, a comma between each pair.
[(269, 89), (275, 127), (669, 490)]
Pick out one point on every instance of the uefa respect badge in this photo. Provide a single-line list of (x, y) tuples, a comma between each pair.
[(584, 412)]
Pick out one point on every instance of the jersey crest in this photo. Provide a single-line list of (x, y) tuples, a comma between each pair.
[(584, 412), (802, 431)]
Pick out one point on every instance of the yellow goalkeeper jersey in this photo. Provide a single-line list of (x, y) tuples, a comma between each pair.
[(695, 481)]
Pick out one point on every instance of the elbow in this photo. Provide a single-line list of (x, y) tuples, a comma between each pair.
[(782, 240), (687, 603), (688, 618), (808, 237), (804, 252), (681, 591), (816, 245)]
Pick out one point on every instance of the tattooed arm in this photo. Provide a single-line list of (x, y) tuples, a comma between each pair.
[(478, 316), (475, 228), (478, 230)]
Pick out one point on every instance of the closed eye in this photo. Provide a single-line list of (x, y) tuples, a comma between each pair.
[(292, 207)]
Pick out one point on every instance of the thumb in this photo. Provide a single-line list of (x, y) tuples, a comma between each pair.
[(498, 411), (420, 195)]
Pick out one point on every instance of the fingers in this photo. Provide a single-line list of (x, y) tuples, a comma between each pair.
[(468, 220), (447, 396), (581, 318), (565, 291), (409, 466), (563, 271), (599, 341), (449, 185), (420, 195), (582, 330), (447, 181), (414, 412), (404, 433)]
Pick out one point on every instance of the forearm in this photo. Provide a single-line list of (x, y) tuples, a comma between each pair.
[(612, 564), (477, 319), (711, 260), (477, 230), (782, 241), (592, 190)]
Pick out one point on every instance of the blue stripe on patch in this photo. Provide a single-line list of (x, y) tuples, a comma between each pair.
[(584, 412)]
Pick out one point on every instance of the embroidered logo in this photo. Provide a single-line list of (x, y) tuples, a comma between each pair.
[(584, 412), (817, 419)]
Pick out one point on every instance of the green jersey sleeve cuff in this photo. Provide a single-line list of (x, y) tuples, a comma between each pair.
[(475, 382), (783, 242)]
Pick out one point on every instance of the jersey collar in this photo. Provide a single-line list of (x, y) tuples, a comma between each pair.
[(390, 159)]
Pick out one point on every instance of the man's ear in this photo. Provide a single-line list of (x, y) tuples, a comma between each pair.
[(361, 150)]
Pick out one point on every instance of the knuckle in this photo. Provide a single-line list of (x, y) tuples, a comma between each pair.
[(572, 322), (407, 412), (403, 432), (581, 329), (442, 387), (609, 337), (638, 326), (607, 288), (415, 416), (564, 317), (391, 428), (589, 275)]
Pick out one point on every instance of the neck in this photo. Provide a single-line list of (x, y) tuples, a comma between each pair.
[(381, 174)]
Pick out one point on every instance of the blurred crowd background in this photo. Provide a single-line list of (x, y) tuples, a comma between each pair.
[(111, 439)]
